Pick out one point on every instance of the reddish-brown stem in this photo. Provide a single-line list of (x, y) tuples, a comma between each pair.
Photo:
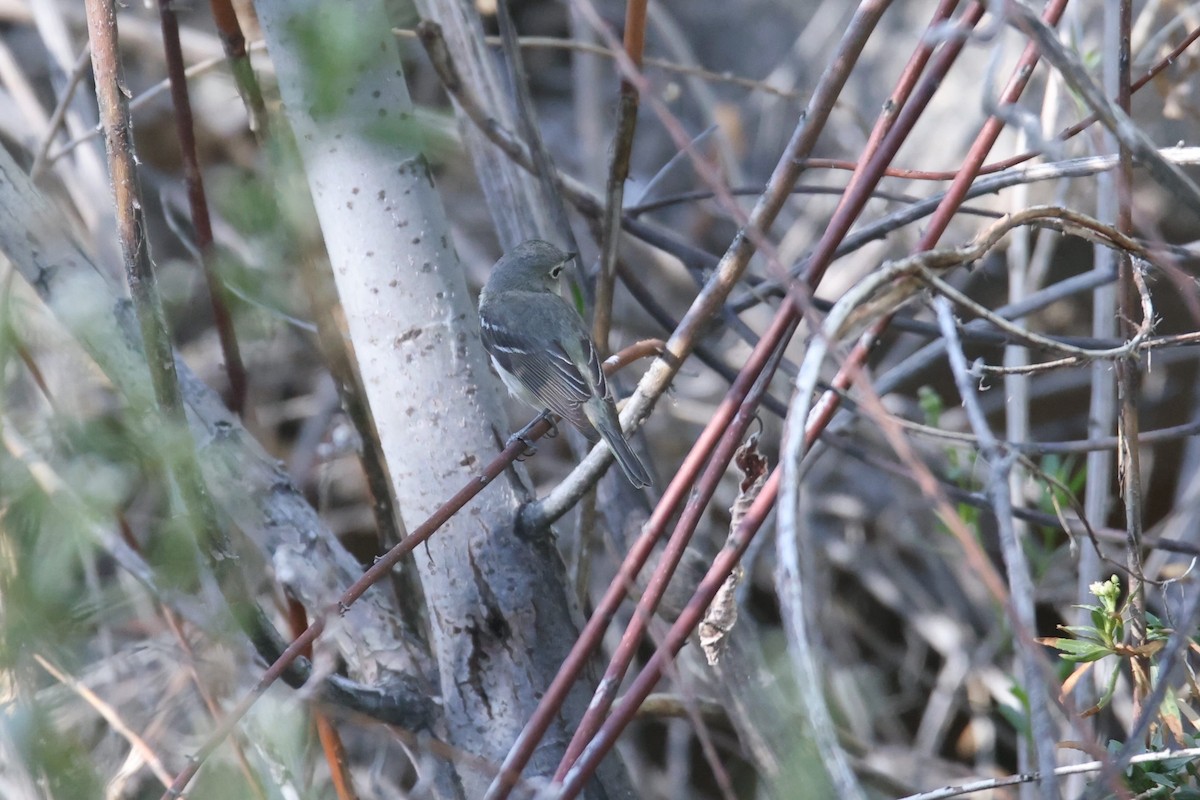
[(783, 178), (645, 682), (778, 335), (222, 319), (908, 79), (693, 612), (859, 192), (335, 755), (829, 401), (986, 139), (229, 30), (855, 197), (234, 43), (331, 742), (577, 659), (752, 383), (1020, 158)]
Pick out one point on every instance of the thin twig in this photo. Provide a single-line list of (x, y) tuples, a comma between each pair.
[(110, 716), (991, 784), (1007, 163), (748, 228), (1071, 168), (978, 500), (666, 201), (527, 118), (1033, 449), (379, 570), (1016, 564), (883, 292), (235, 370), (152, 93), (1110, 114), (558, 43), (644, 683), (331, 742), (60, 113), (438, 51), (1129, 286), (233, 41), (618, 173), (731, 439)]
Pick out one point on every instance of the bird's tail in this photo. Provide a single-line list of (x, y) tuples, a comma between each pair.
[(610, 430), (629, 462)]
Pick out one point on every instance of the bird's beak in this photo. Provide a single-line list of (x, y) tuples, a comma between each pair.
[(570, 255)]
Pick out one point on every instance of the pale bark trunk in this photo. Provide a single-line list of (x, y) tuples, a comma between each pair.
[(500, 611)]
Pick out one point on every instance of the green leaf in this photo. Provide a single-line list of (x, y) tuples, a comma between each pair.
[(1084, 632), (1079, 651)]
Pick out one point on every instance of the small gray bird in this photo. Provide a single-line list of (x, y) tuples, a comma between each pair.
[(543, 352)]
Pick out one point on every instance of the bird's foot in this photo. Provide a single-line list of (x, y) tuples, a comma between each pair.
[(523, 434), (529, 450)]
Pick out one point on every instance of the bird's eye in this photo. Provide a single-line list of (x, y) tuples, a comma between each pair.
[(554, 273)]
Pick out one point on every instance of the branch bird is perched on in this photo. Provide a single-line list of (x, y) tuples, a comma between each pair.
[(543, 352)]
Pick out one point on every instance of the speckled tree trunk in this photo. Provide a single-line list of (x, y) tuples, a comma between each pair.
[(499, 607)]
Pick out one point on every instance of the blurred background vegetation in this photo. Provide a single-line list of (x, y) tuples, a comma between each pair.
[(900, 670)]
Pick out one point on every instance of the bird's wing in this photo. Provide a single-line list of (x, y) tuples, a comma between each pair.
[(545, 368)]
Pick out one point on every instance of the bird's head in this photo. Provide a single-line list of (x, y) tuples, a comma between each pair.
[(531, 266)]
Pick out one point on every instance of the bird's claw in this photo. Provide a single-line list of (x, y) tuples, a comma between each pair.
[(519, 436)]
